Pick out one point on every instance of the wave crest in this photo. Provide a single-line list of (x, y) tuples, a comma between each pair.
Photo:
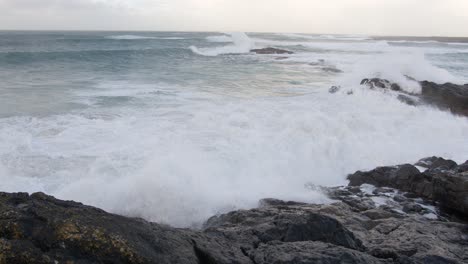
[(242, 44)]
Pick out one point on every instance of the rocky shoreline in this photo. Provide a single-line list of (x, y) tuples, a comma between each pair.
[(394, 214), (447, 96)]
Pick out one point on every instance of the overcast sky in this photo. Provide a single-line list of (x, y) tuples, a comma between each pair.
[(370, 17)]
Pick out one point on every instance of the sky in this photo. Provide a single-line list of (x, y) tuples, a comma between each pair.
[(367, 17)]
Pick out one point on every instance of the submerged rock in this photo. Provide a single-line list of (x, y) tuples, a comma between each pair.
[(331, 69), (334, 89), (271, 50)]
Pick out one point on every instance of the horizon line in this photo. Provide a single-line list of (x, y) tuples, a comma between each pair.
[(223, 31)]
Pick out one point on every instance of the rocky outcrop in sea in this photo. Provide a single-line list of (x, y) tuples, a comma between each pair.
[(447, 96), (396, 214)]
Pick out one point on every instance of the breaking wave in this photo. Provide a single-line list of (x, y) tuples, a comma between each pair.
[(242, 44)]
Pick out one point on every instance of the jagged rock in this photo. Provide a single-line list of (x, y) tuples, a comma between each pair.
[(271, 50), (366, 224), (462, 167), (383, 176), (380, 83), (436, 162), (412, 208), (41, 229), (271, 223), (446, 96), (444, 182), (309, 252)]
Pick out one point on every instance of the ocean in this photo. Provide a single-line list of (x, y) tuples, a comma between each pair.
[(175, 127)]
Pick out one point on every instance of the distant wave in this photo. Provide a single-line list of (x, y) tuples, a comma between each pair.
[(325, 37), (220, 38), (136, 37), (242, 44), (414, 41)]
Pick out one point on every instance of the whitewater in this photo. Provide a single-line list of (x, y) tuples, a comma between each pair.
[(176, 127)]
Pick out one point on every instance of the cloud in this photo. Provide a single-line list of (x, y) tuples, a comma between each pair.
[(396, 17)]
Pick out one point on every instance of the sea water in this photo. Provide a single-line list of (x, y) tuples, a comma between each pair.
[(176, 127)]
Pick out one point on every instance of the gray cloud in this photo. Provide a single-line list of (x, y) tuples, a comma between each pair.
[(396, 17)]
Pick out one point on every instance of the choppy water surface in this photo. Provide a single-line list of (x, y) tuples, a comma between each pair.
[(176, 127)]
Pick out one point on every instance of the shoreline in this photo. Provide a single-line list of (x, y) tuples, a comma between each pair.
[(405, 216)]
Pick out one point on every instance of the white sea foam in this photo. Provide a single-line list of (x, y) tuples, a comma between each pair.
[(242, 44), (181, 163)]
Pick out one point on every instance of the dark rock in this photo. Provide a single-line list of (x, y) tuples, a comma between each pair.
[(412, 208), (400, 198), (442, 182), (309, 252), (334, 89), (272, 223), (437, 260), (41, 229), (54, 230), (331, 69), (462, 167), (383, 176), (271, 50), (407, 100), (395, 87), (436, 162), (376, 214), (376, 83), (446, 96), (451, 191)]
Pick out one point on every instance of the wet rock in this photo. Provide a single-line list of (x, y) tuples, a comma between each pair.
[(462, 167), (271, 50), (51, 230), (41, 229), (272, 223), (436, 162), (376, 214), (444, 182), (331, 69), (412, 208), (377, 83), (383, 176), (309, 252), (451, 191), (334, 89), (407, 100), (400, 198), (364, 224), (446, 96)]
